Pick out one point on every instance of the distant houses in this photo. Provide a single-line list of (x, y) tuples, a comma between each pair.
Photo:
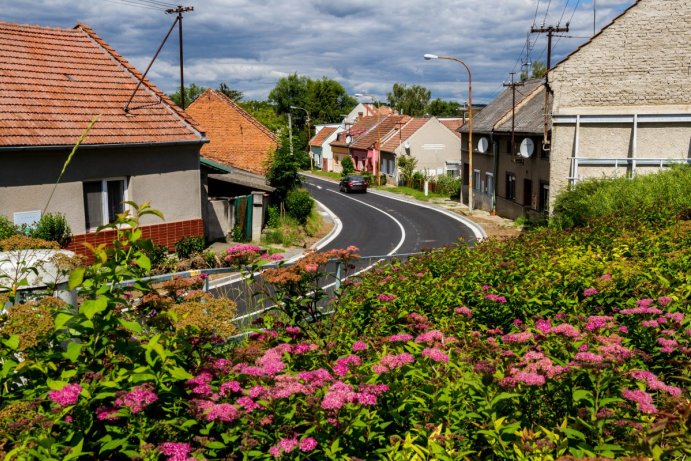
[(53, 82)]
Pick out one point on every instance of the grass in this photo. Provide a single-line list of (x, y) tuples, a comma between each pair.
[(417, 194)]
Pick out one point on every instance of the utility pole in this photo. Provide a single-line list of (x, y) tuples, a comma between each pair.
[(513, 86), (550, 31), (179, 10)]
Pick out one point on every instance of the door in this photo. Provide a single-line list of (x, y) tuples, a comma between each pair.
[(527, 192)]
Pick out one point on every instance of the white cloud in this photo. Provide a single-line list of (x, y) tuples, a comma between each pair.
[(365, 45)]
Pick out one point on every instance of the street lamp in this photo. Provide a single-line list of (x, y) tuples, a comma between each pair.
[(307, 114), (470, 126), (376, 105)]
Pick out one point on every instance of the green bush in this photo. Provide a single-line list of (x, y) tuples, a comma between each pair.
[(447, 185), (53, 227), (157, 254), (187, 246), (273, 217), (347, 166), (662, 195), (299, 204), (7, 228)]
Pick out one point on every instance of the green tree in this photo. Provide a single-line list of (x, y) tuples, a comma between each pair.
[(409, 100), (235, 95), (407, 166), (440, 108), (266, 114), (282, 170), (347, 166), (192, 92), (539, 70)]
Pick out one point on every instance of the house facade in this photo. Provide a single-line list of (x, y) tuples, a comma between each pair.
[(142, 147), (320, 145), (510, 167), (622, 101)]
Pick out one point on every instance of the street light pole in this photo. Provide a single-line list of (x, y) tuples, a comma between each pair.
[(470, 126), (309, 133)]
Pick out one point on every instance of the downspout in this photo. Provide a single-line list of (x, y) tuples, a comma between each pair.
[(495, 172)]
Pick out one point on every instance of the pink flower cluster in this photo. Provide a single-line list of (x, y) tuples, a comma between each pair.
[(642, 398), (201, 384), (392, 361), (652, 382), (343, 364), (522, 337), (496, 298), (386, 297), (66, 396), (599, 322), (211, 411), (290, 443), (403, 337), (176, 451), (270, 364), (590, 292), (463, 310), (242, 253), (341, 393), (359, 346), (435, 355), (533, 370), (565, 329), (138, 398), (430, 337)]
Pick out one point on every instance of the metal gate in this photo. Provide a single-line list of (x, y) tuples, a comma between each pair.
[(242, 228)]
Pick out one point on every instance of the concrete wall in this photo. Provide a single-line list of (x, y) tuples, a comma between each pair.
[(168, 177), (432, 145), (639, 64)]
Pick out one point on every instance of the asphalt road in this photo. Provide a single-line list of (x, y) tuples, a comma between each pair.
[(381, 225)]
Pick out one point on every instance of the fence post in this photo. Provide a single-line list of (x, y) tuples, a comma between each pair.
[(337, 285)]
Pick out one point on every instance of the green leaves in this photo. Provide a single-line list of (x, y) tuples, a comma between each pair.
[(92, 307)]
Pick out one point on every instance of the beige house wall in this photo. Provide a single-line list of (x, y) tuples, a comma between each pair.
[(638, 65), (432, 145), (166, 177)]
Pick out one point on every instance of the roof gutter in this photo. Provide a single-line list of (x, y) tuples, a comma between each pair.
[(103, 146)]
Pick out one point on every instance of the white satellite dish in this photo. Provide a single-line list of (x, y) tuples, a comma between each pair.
[(406, 145), (527, 148), (482, 145), (348, 139)]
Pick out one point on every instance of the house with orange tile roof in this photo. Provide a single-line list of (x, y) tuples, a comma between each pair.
[(236, 139), (320, 145), (142, 147), (340, 147), (436, 148), (365, 148)]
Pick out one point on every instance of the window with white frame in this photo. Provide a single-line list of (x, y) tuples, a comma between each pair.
[(477, 185), (489, 183), (510, 186), (104, 200)]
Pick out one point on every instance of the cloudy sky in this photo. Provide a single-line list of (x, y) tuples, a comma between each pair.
[(366, 45)]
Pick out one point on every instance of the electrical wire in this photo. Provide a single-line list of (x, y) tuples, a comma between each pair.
[(544, 20), (148, 4), (566, 5)]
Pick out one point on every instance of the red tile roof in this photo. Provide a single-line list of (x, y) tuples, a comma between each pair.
[(319, 138), (402, 132), (358, 129), (378, 131), (453, 124), (235, 137), (54, 81)]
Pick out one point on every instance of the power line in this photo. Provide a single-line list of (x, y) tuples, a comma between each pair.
[(544, 20), (148, 4)]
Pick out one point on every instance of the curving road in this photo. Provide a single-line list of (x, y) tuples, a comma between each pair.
[(381, 225)]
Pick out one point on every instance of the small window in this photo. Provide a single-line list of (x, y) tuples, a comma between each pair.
[(477, 185), (544, 196), (103, 201), (489, 183), (510, 186)]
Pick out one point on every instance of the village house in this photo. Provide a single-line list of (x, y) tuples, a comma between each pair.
[(142, 147)]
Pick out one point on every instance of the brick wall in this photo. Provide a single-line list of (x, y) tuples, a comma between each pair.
[(642, 58), (162, 234), (235, 137)]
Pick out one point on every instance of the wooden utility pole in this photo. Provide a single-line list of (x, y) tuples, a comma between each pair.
[(550, 31), (513, 86), (179, 10)]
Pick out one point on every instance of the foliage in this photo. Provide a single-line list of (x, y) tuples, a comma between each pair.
[(187, 246), (406, 166), (299, 204), (347, 166), (53, 227), (282, 171), (7, 228), (662, 195), (266, 114), (441, 108), (447, 185), (538, 70), (22, 242), (192, 92), (411, 100), (157, 254), (235, 95)]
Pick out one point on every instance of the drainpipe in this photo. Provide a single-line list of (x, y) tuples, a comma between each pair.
[(495, 172)]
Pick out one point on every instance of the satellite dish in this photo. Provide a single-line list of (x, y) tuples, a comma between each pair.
[(527, 148), (349, 138), (482, 145), (406, 144)]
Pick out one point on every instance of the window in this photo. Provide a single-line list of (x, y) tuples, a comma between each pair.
[(103, 200), (489, 183), (544, 196), (528, 192), (510, 186), (476, 180)]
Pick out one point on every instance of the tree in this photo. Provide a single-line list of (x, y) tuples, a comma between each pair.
[(266, 114), (192, 92), (282, 170), (235, 95), (440, 108), (347, 166), (409, 101), (539, 70), (407, 166)]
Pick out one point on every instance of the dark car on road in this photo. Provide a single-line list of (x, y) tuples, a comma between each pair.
[(353, 183)]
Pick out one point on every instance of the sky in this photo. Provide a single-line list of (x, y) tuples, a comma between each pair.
[(366, 45)]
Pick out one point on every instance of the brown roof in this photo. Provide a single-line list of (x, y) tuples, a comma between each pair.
[(377, 131), (529, 114), (358, 129), (54, 81), (320, 137), (453, 124), (235, 137), (372, 110), (400, 133)]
